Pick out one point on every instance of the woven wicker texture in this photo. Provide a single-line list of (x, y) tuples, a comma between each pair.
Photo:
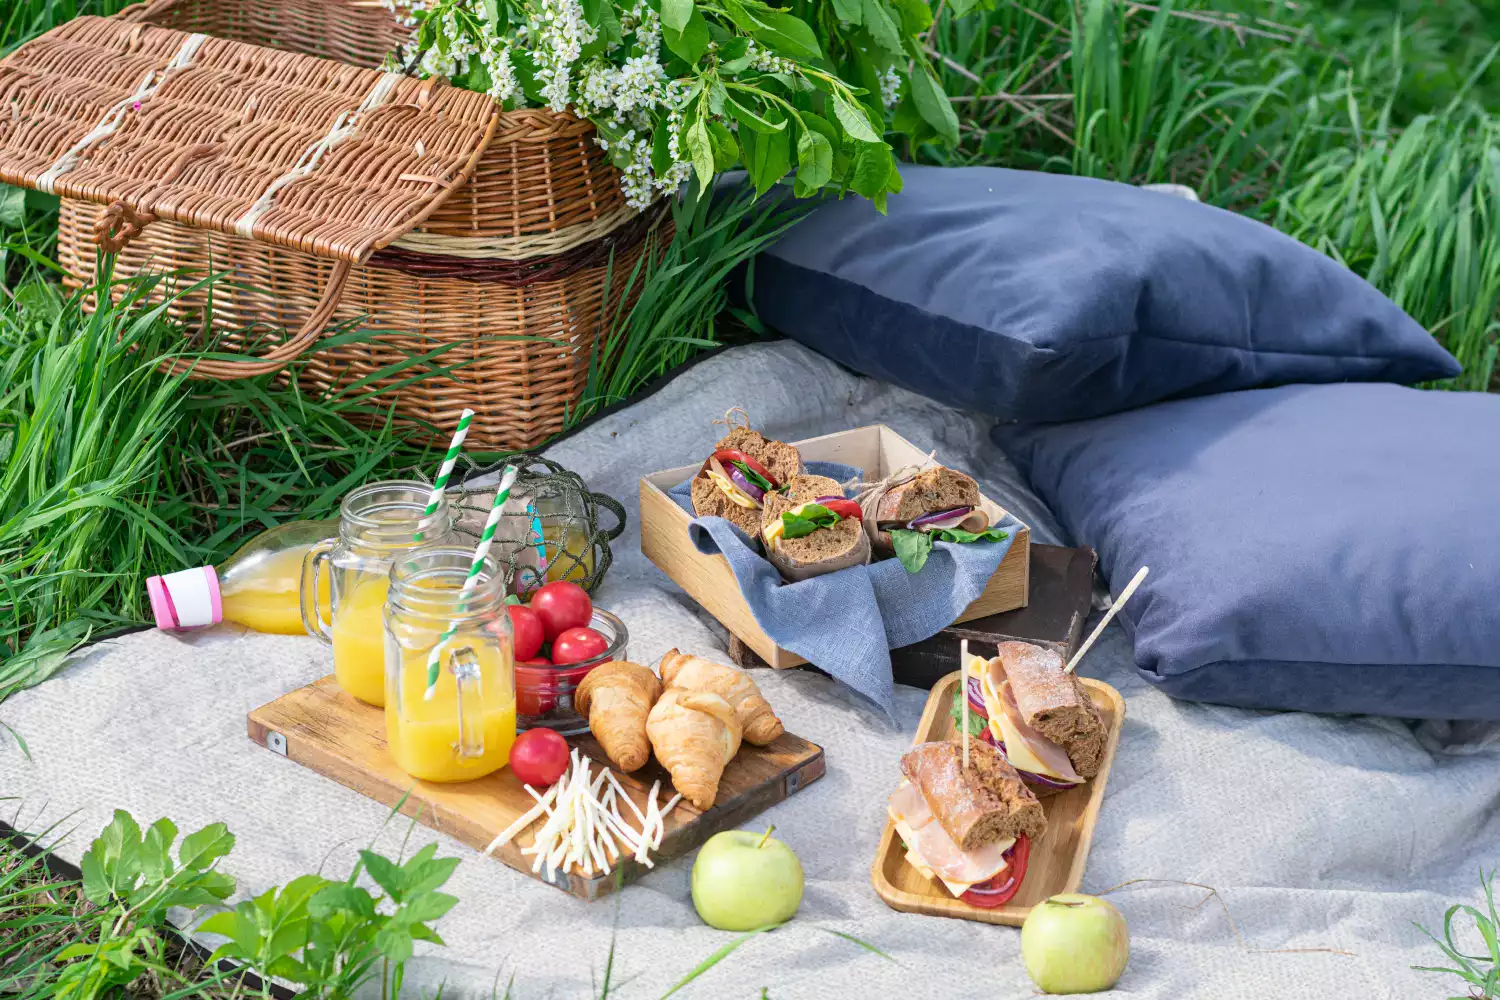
[(207, 146), (522, 387), (357, 34)]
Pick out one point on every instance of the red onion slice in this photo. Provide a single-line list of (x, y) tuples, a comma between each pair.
[(743, 482), (939, 519)]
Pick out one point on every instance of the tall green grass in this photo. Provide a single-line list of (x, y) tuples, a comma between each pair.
[(1366, 130)]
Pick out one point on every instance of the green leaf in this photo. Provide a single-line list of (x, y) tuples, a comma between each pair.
[(853, 118), (977, 722), (965, 537), (916, 16), (428, 906), (203, 848), (767, 157), (912, 548), (812, 516), (225, 924), (12, 206), (385, 874), (882, 27), (782, 33), (814, 160), (692, 41), (726, 150), (962, 7), (156, 857), (675, 14), (749, 118), (873, 166), (701, 149), (933, 104), (718, 956), (340, 896), (111, 866), (851, 11)]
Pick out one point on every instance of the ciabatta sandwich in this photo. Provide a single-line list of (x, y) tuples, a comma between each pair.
[(735, 479), (969, 828), (939, 504), (1037, 715), (810, 529)]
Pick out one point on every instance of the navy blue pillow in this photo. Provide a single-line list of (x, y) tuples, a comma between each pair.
[(1041, 297), (1328, 548)]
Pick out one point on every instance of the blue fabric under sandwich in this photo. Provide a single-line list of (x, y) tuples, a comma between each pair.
[(1326, 548), (1041, 298), (847, 622)]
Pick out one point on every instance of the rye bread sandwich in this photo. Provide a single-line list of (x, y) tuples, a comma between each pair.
[(936, 505), (809, 529), (734, 481), (969, 828), (1038, 715)]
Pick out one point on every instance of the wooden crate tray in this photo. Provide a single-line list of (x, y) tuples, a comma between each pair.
[(878, 451), (1057, 858), (326, 730)]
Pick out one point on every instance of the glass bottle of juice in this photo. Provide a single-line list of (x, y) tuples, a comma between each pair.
[(378, 524), (465, 730), (257, 587)]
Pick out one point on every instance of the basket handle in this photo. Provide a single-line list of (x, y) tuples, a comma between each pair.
[(278, 357)]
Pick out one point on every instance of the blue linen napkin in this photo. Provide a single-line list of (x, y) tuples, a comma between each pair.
[(848, 622)]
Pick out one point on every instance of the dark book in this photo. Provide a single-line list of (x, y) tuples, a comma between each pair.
[(1061, 595)]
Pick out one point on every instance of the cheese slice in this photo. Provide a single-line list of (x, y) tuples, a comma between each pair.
[(1025, 748), (733, 492), (774, 531)]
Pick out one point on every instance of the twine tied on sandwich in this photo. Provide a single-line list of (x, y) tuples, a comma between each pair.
[(729, 422), (870, 494)]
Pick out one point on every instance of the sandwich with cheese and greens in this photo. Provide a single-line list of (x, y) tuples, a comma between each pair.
[(1035, 713), (744, 468), (969, 828), (937, 505), (809, 529)]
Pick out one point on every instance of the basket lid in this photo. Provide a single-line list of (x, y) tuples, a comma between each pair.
[(308, 153)]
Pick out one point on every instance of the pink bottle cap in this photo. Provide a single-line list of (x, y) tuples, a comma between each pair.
[(186, 599)]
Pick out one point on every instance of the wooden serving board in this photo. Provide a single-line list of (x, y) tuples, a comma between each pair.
[(1057, 857), (322, 728)]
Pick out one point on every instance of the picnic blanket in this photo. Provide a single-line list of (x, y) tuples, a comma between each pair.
[(1319, 832)]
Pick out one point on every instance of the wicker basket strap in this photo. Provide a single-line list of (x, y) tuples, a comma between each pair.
[(284, 353), (150, 83), (345, 127), (516, 247)]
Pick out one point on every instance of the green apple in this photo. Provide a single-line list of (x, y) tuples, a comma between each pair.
[(744, 880), (1074, 943)]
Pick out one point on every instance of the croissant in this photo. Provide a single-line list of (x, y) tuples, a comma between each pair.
[(616, 697), (694, 673), (694, 734)]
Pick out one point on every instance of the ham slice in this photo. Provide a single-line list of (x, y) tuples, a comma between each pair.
[(973, 521), (1053, 757), (930, 847)]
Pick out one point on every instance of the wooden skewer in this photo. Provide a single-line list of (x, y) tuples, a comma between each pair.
[(1113, 610), (963, 680)]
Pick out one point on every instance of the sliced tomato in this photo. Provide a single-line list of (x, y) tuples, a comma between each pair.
[(1003, 887), (727, 455), (843, 508)]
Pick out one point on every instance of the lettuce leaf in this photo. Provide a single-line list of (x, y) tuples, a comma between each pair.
[(913, 547), (977, 722), (812, 517)]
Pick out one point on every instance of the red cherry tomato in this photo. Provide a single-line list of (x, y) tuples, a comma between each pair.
[(539, 757), (562, 605), (536, 692), (528, 629), (576, 645), (843, 508)]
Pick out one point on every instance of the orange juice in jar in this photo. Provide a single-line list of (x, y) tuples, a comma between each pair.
[(459, 723), (379, 524)]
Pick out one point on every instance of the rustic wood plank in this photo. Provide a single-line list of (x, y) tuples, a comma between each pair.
[(1057, 857), (327, 731), (709, 580)]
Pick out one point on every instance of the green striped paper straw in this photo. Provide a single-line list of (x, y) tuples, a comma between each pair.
[(449, 460), (507, 480)]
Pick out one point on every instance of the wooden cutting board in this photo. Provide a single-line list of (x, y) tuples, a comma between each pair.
[(326, 730), (1057, 857)]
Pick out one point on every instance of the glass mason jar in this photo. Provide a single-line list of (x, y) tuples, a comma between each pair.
[(464, 727), (377, 523)]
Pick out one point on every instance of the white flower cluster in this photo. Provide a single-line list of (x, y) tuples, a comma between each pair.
[(558, 33), (890, 87), (768, 62)]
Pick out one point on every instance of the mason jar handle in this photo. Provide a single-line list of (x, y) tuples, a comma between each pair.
[(469, 702), (312, 613)]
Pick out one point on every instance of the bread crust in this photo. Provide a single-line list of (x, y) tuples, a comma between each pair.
[(1055, 703), (826, 550), (932, 490), (987, 803)]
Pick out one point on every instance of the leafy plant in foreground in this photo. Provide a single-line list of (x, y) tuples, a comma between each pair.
[(1480, 972)]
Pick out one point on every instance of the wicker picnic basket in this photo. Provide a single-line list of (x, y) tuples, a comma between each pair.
[(261, 142)]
